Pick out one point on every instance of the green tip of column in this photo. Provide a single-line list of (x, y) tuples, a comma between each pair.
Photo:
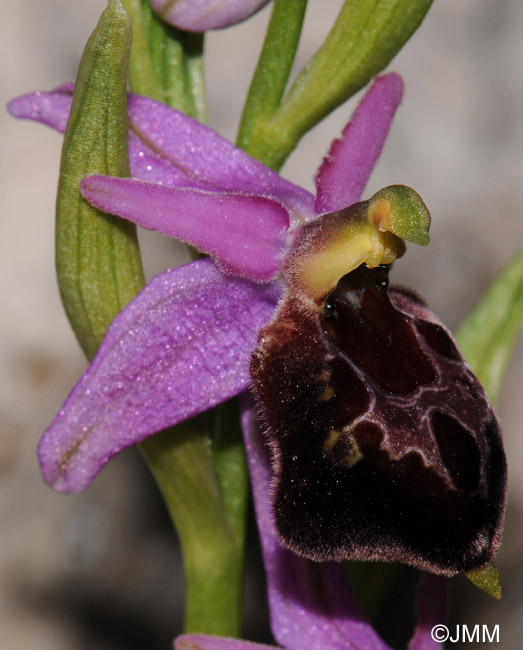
[(487, 579), (400, 210)]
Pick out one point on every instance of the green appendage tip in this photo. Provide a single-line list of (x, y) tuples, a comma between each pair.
[(487, 579)]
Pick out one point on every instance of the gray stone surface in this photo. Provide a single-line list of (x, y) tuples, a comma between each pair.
[(101, 569)]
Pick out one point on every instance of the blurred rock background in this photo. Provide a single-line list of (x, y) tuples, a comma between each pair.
[(101, 569)]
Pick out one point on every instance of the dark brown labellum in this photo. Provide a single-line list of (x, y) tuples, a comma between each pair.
[(384, 444)]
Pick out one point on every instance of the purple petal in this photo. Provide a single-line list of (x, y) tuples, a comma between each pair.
[(205, 14), (204, 642), (53, 108), (181, 346), (431, 611), (50, 108), (207, 157), (344, 172), (245, 234), (152, 167), (310, 603), (166, 146)]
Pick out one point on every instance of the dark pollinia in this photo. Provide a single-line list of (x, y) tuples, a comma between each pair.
[(384, 443)]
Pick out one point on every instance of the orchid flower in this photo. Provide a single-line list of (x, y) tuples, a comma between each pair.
[(195, 327), (310, 603), (203, 15), (358, 386)]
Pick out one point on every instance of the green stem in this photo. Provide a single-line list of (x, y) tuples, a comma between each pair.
[(195, 75), (182, 463), (273, 69), (205, 488), (365, 37), (166, 63), (142, 76), (166, 45), (231, 467)]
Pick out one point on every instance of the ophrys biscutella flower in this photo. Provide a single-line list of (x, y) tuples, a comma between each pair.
[(363, 391)]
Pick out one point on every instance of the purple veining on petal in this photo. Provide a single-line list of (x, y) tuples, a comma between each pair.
[(206, 14), (206, 156), (310, 603), (204, 642), (345, 170), (181, 346), (430, 610), (244, 233)]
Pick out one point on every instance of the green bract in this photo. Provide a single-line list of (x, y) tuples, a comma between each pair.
[(364, 39), (97, 256), (488, 335)]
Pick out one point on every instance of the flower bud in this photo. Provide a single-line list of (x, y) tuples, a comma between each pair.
[(202, 15)]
